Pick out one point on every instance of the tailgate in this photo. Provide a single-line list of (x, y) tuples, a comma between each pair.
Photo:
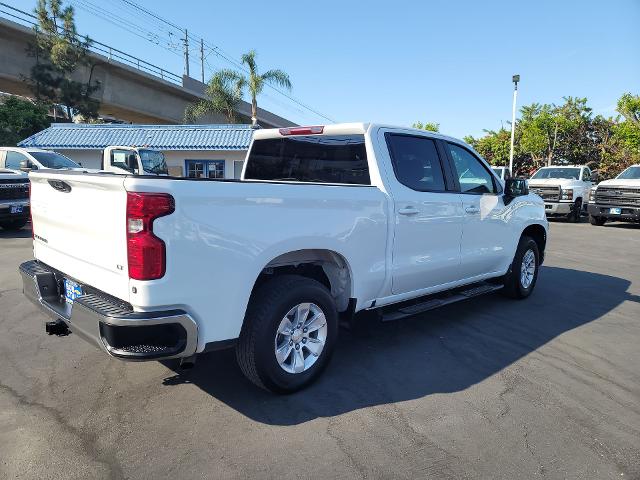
[(79, 227)]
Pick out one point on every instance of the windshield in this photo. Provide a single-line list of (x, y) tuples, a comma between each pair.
[(631, 173), (568, 173), (54, 160), (153, 162)]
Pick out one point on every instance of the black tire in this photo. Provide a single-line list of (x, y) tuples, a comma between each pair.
[(574, 216), (513, 286), (598, 221), (13, 224), (269, 304)]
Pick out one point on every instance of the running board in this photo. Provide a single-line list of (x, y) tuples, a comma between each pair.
[(406, 309)]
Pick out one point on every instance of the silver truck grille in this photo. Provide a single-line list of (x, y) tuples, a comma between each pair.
[(548, 193), (625, 196)]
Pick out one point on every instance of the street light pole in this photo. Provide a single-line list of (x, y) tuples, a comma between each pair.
[(515, 79)]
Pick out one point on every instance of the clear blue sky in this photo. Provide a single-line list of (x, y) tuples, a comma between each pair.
[(397, 61)]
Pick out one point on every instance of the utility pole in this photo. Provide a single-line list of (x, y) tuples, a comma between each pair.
[(202, 58), (515, 79), (186, 52)]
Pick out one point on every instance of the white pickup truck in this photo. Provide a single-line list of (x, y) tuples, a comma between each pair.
[(134, 160), (565, 190), (326, 221), (617, 199)]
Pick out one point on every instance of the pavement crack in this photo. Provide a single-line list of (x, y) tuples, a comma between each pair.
[(88, 441)]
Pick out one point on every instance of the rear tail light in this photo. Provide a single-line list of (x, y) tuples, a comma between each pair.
[(314, 130), (146, 253)]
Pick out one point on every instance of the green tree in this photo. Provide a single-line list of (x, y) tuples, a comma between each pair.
[(59, 52), (255, 81), (429, 126), (224, 92), (548, 134), (629, 108), (19, 119), (494, 147)]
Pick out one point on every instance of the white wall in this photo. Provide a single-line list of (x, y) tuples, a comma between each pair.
[(87, 158), (175, 158)]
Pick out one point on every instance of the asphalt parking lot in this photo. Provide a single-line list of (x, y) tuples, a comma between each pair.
[(548, 387)]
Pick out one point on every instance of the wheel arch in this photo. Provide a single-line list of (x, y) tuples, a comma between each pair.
[(539, 234), (324, 265)]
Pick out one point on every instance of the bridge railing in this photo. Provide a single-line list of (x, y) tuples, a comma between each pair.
[(30, 20)]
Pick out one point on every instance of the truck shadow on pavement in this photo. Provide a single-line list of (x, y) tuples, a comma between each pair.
[(441, 351)]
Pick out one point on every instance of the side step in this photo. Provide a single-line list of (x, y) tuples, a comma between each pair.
[(423, 304)]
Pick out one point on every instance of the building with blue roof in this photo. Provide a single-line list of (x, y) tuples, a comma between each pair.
[(214, 151)]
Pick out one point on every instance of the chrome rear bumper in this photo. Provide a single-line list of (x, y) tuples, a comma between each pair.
[(109, 323)]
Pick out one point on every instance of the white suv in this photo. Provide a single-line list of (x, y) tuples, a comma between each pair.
[(564, 189)]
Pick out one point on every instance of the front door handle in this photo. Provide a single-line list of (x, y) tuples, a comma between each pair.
[(408, 211), (472, 210)]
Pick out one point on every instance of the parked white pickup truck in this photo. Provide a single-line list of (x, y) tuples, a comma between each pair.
[(565, 190), (326, 221), (617, 199), (134, 160)]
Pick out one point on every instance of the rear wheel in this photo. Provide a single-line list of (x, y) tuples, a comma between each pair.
[(13, 224), (288, 335), (521, 279), (598, 221)]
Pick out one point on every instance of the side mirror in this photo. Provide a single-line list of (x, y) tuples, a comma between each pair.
[(24, 166), (594, 177), (514, 187)]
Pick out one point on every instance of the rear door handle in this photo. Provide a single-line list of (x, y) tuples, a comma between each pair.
[(472, 210), (408, 211)]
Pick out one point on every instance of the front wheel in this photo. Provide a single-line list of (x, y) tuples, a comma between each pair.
[(598, 221), (521, 279), (288, 335)]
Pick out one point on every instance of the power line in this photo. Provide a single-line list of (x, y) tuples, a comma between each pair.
[(128, 26), (224, 55)]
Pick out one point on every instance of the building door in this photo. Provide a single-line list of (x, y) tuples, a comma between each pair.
[(204, 168)]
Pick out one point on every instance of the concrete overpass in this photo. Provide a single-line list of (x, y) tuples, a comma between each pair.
[(136, 91)]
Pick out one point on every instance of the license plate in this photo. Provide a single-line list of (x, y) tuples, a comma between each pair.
[(16, 209), (71, 291), (615, 211)]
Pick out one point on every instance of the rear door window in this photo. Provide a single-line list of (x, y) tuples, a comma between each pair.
[(310, 158), (119, 158), (415, 162)]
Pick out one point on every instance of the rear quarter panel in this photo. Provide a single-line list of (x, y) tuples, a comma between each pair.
[(222, 234)]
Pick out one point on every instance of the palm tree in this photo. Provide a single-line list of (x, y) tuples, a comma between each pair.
[(224, 92), (256, 82)]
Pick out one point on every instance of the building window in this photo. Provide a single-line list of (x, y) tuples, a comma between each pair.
[(204, 168)]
